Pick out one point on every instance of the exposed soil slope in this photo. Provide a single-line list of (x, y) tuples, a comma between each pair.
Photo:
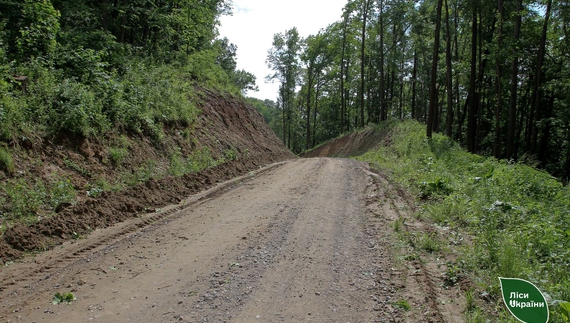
[(226, 125), (351, 145)]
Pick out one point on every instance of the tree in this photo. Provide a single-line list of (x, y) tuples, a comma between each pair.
[(283, 60), (433, 84)]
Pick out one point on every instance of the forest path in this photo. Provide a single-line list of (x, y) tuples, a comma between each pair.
[(304, 241)]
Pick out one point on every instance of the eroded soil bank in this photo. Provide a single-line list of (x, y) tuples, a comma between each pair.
[(231, 132)]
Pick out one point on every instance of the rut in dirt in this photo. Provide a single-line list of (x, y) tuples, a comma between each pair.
[(294, 244)]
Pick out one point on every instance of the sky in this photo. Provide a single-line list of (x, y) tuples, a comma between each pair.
[(254, 22)]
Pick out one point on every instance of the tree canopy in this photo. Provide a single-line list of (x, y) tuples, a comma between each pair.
[(493, 76), (84, 67)]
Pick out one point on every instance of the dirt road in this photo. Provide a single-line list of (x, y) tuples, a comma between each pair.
[(302, 241)]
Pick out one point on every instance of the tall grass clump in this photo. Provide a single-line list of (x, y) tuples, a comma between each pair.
[(6, 161), (518, 215)]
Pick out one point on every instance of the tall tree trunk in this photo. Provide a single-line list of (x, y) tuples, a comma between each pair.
[(414, 82), (401, 96), (433, 84), (545, 138), (456, 50), (315, 111), (342, 72), (537, 96), (383, 112), (366, 4), (472, 113), (282, 95), (514, 86), (449, 76), (497, 149), (347, 93), (566, 177), (392, 81), (309, 90)]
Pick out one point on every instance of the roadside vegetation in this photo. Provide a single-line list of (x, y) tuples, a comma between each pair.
[(516, 216), (72, 71)]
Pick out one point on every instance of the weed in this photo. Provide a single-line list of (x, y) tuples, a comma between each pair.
[(398, 224), (429, 243), (177, 166), (434, 189), (59, 298), (470, 304), (117, 155), (6, 162), (403, 304), (475, 316), (142, 174), (23, 201), (61, 192), (77, 168), (452, 275)]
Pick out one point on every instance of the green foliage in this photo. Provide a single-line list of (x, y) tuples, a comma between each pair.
[(470, 304), (433, 189), (200, 159), (59, 298), (73, 166), (403, 304), (429, 243), (91, 69), (516, 214), (143, 173), (6, 162), (177, 167), (61, 192), (117, 155), (38, 26), (22, 200)]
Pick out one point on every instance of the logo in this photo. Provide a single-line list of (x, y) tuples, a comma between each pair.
[(524, 300)]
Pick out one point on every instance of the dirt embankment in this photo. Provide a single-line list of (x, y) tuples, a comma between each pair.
[(227, 128), (351, 145)]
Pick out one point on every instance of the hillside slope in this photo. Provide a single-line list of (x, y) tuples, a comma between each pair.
[(108, 180), (353, 144)]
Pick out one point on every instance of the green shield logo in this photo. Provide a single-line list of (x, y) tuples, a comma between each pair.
[(524, 300)]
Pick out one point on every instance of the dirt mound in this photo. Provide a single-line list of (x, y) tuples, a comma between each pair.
[(351, 145), (229, 128)]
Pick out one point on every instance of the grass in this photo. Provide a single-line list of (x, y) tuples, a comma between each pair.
[(516, 215), (403, 304), (26, 201), (6, 161)]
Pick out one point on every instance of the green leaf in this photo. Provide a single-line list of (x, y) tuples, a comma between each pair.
[(524, 300), (565, 309)]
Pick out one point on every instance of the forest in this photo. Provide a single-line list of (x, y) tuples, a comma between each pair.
[(86, 68), (493, 75)]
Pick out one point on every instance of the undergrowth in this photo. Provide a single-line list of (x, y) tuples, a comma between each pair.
[(518, 216), (27, 201)]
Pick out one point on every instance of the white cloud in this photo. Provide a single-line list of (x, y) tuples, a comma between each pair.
[(254, 22)]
